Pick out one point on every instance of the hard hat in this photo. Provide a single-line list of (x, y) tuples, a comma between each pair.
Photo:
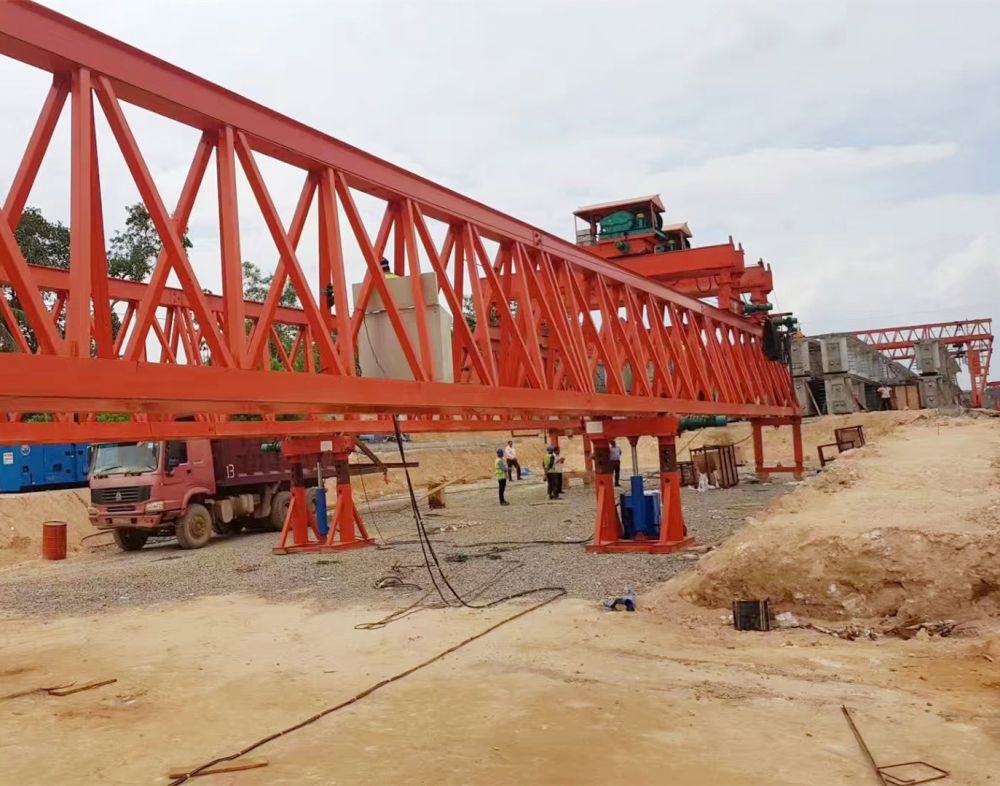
[(500, 452), (549, 449)]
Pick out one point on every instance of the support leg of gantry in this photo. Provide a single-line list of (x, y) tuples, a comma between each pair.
[(347, 530), (608, 529), (673, 530), (300, 522), (608, 536), (758, 449)]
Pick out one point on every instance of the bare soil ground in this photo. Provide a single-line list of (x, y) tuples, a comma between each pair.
[(215, 649)]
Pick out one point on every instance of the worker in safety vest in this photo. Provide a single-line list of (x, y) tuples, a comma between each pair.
[(549, 465), (387, 269), (500, 470)]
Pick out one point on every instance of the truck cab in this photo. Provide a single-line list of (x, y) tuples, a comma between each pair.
[(145, 487)]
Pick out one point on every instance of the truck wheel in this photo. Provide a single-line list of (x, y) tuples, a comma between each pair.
[(129, 539), (194, 528), (279, 509)]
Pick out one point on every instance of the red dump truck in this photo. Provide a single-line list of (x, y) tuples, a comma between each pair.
[(189, 488)]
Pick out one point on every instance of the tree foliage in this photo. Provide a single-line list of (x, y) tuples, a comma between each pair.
[(132, 254), (255, 287), (135, 248), (42, 242)]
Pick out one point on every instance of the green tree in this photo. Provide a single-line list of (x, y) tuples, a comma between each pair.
[(135, 248), (469, 312), (42, 242), (255, 287)]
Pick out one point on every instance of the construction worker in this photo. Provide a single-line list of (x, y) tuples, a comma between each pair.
[(387, 269), (500, 470), (510, 455), (549, 465), (615, 454), (885, 392), (557, 470)]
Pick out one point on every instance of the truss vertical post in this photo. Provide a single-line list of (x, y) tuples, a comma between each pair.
[(81, 216)]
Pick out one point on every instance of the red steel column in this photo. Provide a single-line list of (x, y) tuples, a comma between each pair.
[(81, 216), (758, 447), (229, 243)]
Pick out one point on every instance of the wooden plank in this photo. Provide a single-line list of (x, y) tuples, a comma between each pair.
[(68, 691), (237, 765)]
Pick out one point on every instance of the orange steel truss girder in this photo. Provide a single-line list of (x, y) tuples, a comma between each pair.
[(974, 337), (550, 317)]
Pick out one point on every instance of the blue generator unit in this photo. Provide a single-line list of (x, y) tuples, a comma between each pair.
[(640, 512), (36, 467)]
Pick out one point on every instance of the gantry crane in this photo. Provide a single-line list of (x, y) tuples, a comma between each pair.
[(185, 363), (968, 340)]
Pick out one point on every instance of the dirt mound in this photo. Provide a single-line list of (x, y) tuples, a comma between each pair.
[(908, 527), (22, 516)]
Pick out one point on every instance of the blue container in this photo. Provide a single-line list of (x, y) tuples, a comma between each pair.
[(32, 467)]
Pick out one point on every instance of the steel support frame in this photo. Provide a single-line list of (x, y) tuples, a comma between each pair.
[(301, 532), (557, 311), (608, 531)]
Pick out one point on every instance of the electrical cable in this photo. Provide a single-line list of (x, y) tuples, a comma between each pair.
[(371, 514), (366, 692), (430, 555)]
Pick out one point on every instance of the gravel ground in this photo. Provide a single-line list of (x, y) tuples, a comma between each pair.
[(465, 536)]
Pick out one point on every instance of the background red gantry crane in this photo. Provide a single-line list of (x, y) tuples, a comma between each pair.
[(178, 362), (969, 340)]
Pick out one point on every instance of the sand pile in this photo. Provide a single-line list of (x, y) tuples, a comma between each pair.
[(22, 516), (907, 527)]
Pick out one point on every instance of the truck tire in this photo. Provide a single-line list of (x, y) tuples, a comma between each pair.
[(130, 539), (279, 509), (194, 528)]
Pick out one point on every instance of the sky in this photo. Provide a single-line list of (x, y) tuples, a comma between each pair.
[(854, 146)]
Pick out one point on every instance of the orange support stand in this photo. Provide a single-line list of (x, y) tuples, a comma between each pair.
[(608, 533), (797, 467), (347, 530)]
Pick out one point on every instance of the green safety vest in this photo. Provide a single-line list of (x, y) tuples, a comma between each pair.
[(550, 462), (501, 470)]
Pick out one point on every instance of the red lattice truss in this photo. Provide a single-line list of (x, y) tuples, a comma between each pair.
[(183, 353)]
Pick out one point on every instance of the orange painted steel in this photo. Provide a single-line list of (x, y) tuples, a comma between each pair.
[(608, 533), (969, 338), (560, 312), (301, 531), (707, 271)]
